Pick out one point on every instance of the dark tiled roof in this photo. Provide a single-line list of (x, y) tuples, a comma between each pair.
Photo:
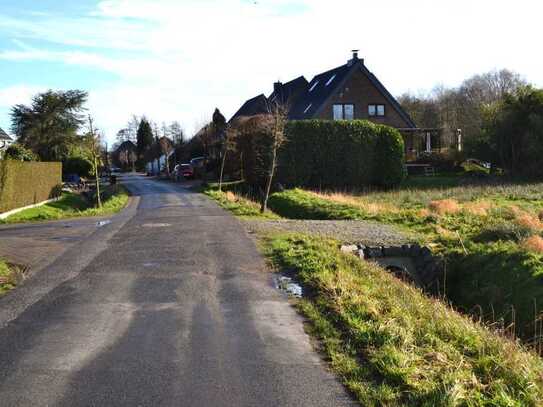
[(253, 106), (326, 84), (289, 92), (126, 145), (318, 92), (4, 135)]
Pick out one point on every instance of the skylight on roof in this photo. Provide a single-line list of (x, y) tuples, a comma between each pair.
[(307, 108), (313, 86), (331, 79)]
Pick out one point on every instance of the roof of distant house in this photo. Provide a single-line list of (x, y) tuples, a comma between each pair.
[(288, 93), (253, 106), (125, 145), (4, 135)]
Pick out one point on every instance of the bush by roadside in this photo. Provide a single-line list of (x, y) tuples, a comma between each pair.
[(392, 345)]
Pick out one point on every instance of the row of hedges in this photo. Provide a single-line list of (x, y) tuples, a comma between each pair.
[(328, 154), (28, 183)]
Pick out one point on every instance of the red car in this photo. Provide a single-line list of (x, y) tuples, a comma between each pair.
[(186, 171)]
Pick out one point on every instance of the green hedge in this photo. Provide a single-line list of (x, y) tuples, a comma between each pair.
[(355, 153), (328, 154), (28, 183)]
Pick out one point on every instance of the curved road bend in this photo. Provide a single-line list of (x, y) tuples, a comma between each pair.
[(169, 305)]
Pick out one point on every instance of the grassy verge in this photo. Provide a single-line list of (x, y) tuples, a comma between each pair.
[(72, 205), (10, 276), (237, 203), (490, 236), (392, 345)]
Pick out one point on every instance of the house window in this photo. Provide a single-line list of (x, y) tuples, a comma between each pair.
[(348, 112), (343, 112), (376, 110), (338, 112)]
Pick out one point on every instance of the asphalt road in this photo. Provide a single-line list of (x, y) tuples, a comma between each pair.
[(168, 305)]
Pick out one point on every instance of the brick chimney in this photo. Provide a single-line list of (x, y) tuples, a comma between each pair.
[(354, 58)]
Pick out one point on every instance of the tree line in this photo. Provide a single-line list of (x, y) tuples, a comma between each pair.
[(498, 113)]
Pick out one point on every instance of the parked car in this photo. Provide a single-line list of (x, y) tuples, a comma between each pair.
[(197, 162), (186, 171)]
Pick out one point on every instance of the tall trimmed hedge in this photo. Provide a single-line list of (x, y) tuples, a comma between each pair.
[(328, 154), (28, 183)]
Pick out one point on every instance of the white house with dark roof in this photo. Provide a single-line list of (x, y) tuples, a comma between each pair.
[(5, 141)]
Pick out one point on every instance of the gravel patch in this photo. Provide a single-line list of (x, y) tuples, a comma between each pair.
[(347, 231)]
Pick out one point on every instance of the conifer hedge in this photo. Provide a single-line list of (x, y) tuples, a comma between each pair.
[(332, 154), (28, 183)]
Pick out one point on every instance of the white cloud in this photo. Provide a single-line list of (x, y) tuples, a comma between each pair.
[(178, 60), (18, 94)]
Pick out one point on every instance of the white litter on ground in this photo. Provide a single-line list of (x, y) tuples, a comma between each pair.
[(103, 223), (287, 285)]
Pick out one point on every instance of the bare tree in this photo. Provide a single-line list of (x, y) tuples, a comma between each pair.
[(230, 137), (94, 148), (165, 148), (275, 129)]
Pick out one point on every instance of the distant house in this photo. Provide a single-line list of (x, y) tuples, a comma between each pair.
[(5, 141), (125, 155), (347, 92), (157, 162)]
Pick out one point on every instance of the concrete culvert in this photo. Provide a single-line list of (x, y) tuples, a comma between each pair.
[(400, 272)]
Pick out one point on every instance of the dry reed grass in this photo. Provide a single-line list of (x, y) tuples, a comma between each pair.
[(372, 208), (534, 244), (230, 196), (526, 219), (444, 206), (480, 208)]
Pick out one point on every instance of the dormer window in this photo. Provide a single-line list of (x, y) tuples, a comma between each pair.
[(313, 86), (376, 110)]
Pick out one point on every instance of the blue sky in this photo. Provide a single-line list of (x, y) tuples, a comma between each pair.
[(179, 59)]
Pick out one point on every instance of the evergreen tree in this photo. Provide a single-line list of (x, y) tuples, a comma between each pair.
[(144, 136), (219, 123), (49, 125)]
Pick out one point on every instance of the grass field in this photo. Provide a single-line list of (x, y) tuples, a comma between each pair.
[(491, 236), (72, 205), (394, 346)]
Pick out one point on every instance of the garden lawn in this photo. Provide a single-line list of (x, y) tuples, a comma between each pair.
[(71, 205), (392, 345)]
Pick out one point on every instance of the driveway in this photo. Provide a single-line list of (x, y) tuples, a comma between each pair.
[(168, 305)]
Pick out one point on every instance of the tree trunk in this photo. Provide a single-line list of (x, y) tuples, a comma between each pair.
[(222, 170), (264, 205), (97, 176)]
